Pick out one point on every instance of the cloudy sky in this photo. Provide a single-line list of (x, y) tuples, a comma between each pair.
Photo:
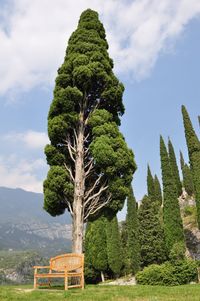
[(155, 46)]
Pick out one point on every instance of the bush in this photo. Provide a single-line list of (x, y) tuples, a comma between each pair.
[(179, 272), (177, 252)]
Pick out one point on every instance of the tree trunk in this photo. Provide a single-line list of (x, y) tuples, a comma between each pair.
[(102, 277), (79, 190)]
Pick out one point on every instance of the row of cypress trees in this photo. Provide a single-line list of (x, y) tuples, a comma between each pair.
[(153, 231)]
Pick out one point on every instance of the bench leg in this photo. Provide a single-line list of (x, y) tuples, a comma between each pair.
[(35, 283), (66, 283)]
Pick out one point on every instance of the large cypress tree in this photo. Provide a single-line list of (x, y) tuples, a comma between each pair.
[(173, 227), (114, 251), (151, 234), (193, 145), (187, 176), (96, 245), (174, 167), (132, 225), (91, 166), (150, 184), (158, 191)]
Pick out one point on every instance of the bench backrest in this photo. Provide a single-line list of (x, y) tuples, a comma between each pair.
[(67, 262)]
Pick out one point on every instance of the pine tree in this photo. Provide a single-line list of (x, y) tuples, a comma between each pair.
[(158, 191), (114, 252), (151, 234), (173, 227), (132, 224), (187, 176), (174, 167), (91, 166), (96, 245), (150, 185), (193, 145)]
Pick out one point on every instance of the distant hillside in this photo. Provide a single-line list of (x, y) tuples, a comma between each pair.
[(24, 224)]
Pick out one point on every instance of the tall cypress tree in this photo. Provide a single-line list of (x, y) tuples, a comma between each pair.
[(91, 166), (158, 191), (187, 176), (114, 251), (174, 167), (151, 234), (173, 227), (96, 245), (132, 224), (150, 184), (193, 146)]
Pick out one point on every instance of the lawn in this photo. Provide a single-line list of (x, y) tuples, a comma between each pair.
[(103, 293)]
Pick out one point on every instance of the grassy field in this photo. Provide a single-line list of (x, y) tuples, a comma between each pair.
[(103, 293)]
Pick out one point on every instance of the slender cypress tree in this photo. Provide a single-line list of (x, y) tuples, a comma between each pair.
[(173, 227), (132, 224), (96, 245), (199, 120), (151, 234), (187, 176), (150, 185), (158, 191), (114, 251), (174, 167), (193, 146), (91, 166)]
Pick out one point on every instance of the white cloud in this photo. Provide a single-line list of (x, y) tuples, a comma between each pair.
[(34, 35), (30, 139), (17, 173)]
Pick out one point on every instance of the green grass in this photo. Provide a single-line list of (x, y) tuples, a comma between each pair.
[(103, 293)]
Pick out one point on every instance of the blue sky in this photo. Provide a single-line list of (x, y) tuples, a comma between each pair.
[(155, 48)]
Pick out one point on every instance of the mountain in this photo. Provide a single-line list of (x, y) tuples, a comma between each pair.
[(25, 225)]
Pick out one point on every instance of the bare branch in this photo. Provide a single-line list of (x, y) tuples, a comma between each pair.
[(93, 187), (76, 137), (93, 210), (90, 162), (70, 172), (103, 188), (70, 207), (95, 107), (86, 137), (70, 149), (91, 166)]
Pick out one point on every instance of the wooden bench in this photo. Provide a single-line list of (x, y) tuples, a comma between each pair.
[(63, 266)]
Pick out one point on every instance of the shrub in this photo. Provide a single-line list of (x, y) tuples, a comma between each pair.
[(177, 252), (179, 272)]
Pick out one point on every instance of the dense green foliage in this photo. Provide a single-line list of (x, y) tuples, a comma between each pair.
[(176, 273), (158, 191), (151, 235), (187, 176), (114, 250), (150, 185), (174, 167), (173, 227), (96, 246), (87, 101), (193, 145), (132, 243)]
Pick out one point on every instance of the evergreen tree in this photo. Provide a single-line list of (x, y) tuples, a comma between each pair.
[(199, 120), (193, 146), (151, 234), (150, 185), (173, 227), (96, 245), (174, 167), (114, 251), (133, 247), (187, 176), (158, 191), (91, 166)]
